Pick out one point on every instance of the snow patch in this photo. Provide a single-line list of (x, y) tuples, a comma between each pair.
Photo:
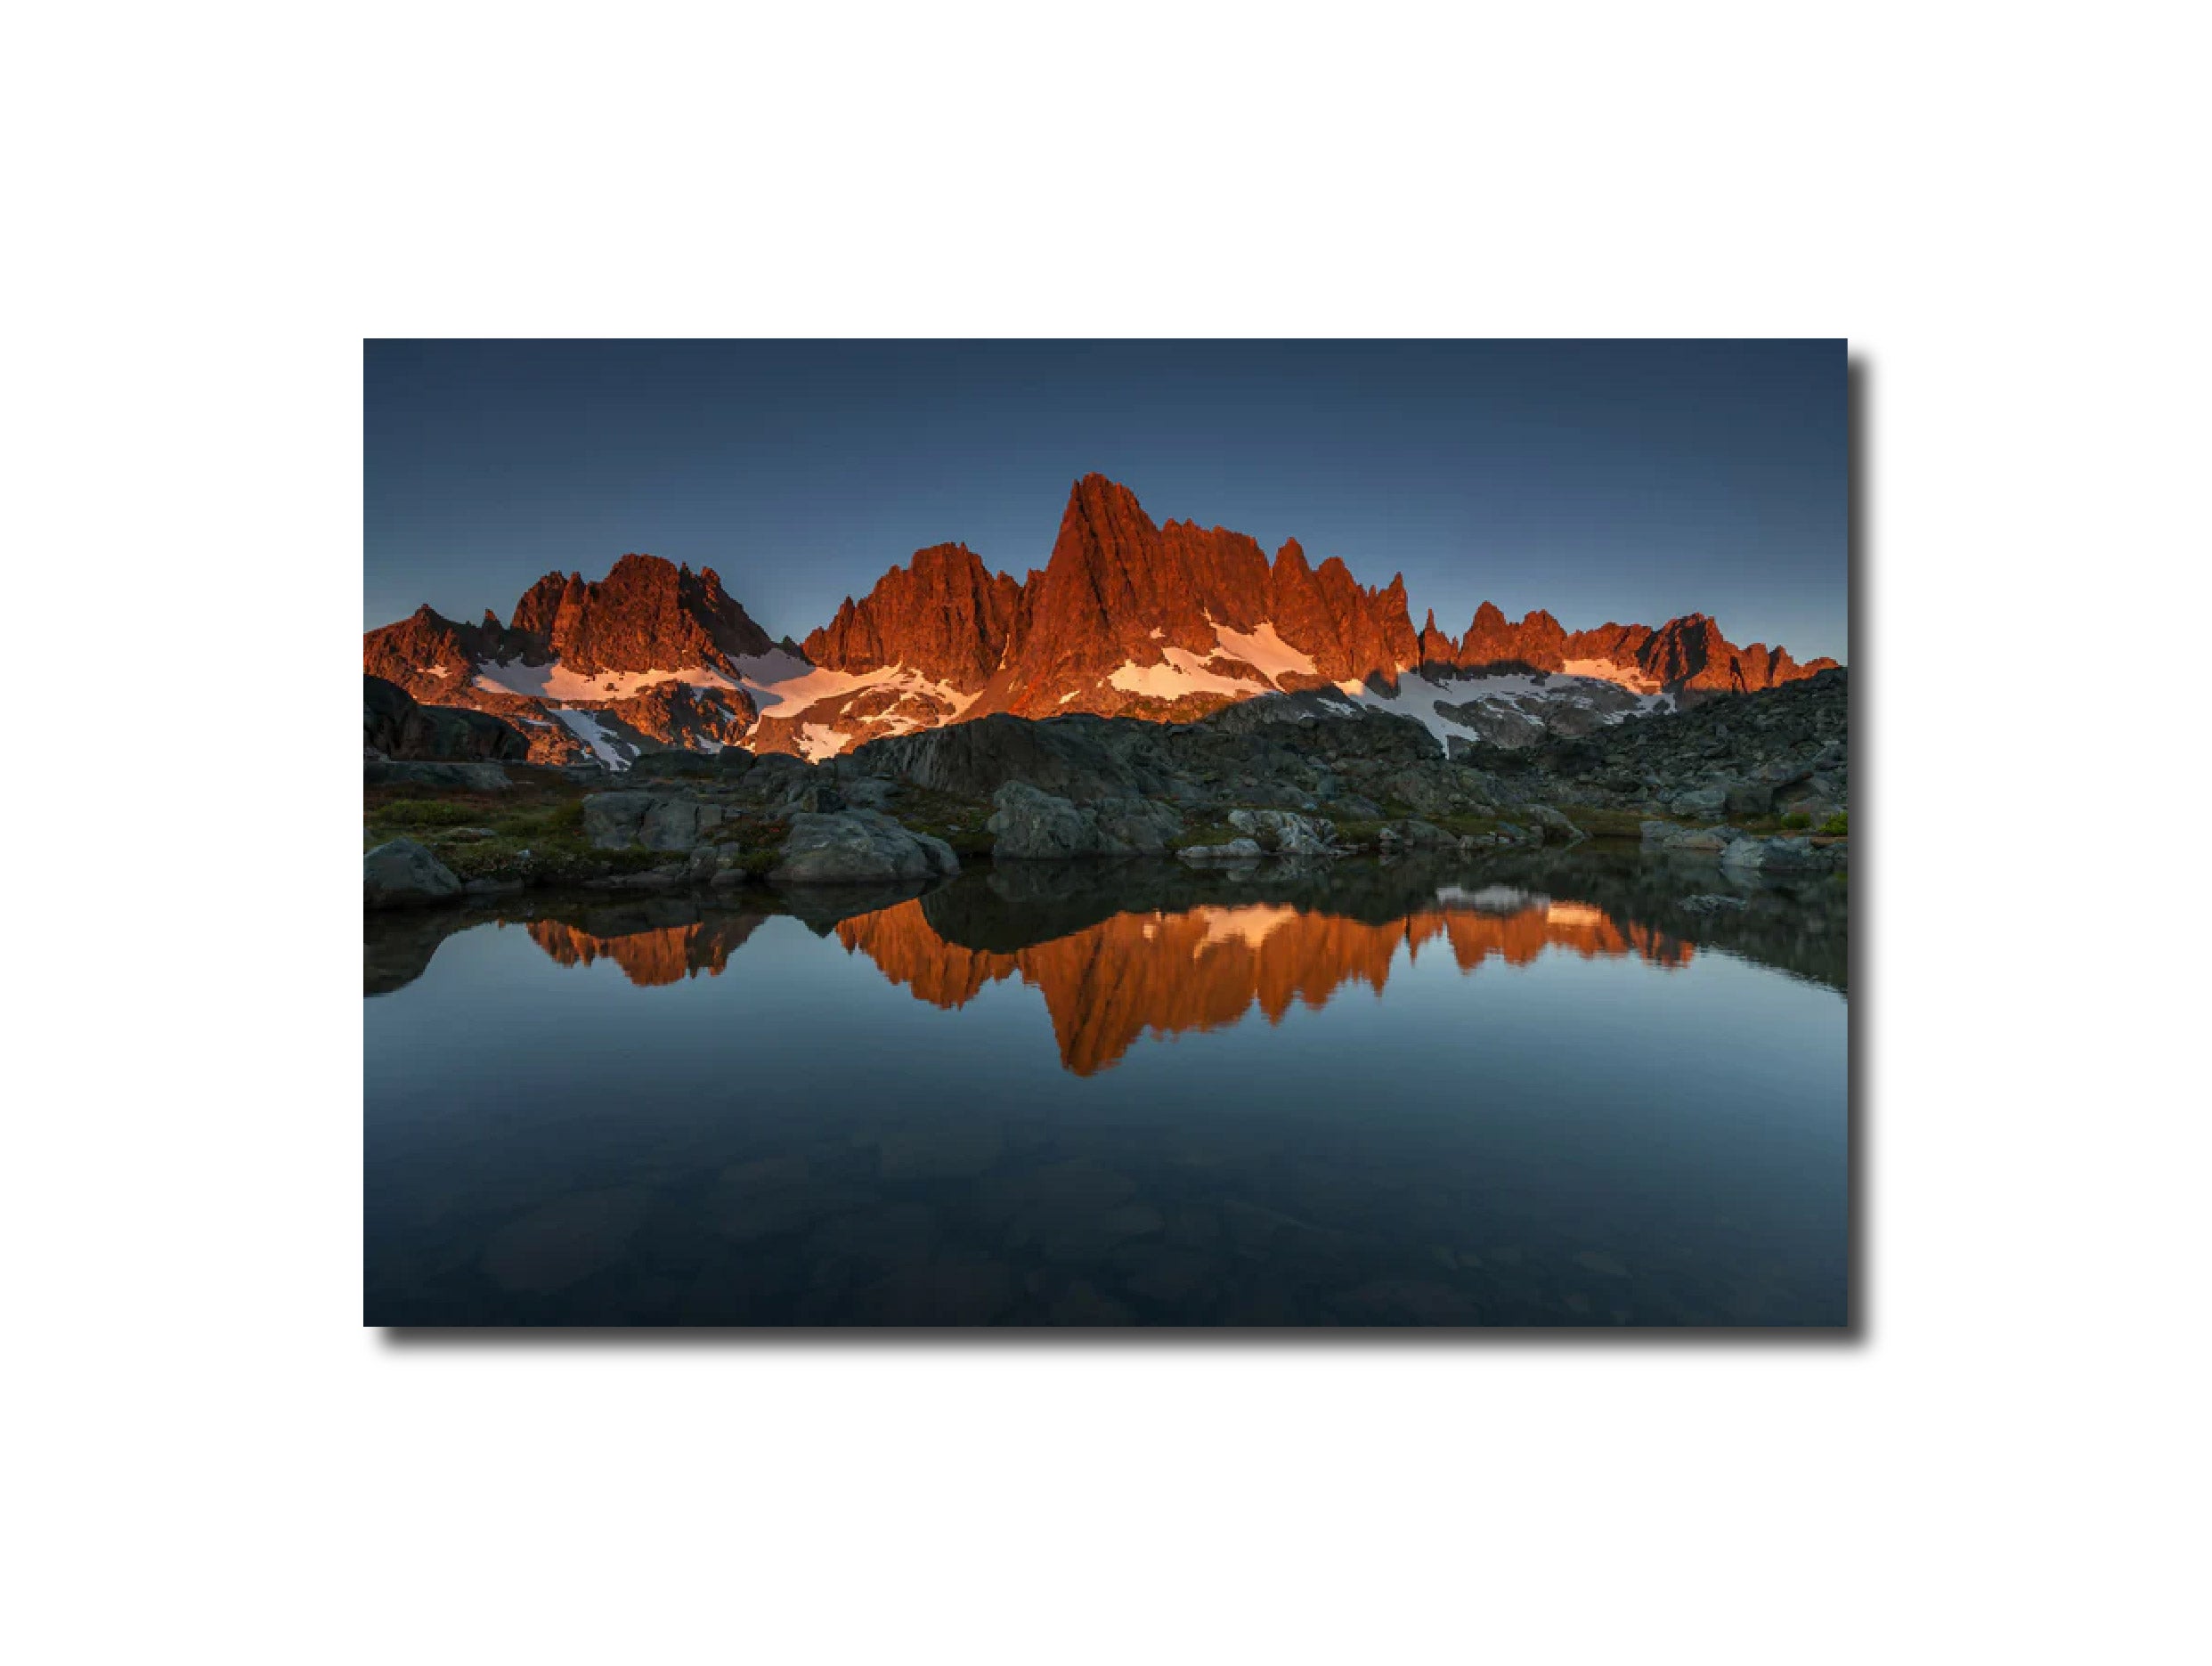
[(818, 741), (586, 729), (1182, 673), (1265, 651), (1612, 672), (556, 681), (784, 685)]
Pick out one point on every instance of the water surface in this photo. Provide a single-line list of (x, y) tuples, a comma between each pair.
[(1559, 1090)]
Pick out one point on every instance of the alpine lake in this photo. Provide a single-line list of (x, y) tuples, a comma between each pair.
[(1588, 1087)]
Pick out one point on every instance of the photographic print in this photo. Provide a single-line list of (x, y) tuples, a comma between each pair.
[(1166, 834)]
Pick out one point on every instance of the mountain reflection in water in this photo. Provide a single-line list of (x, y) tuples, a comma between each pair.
[(1164, 971), (1542, 1088)]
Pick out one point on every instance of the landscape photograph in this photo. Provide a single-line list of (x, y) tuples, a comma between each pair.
[(1234, 835)]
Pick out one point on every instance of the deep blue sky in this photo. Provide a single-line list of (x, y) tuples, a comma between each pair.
[(1625, 480)]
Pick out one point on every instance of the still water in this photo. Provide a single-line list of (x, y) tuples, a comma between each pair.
[(1574, 1090)]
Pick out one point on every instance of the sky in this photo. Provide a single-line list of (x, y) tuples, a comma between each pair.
[(1605, 480)]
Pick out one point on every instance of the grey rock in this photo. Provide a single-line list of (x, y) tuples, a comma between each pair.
[(1033, 826), (659, 821), (483, 778), (681, 764), (1414, 835), (1775, 856), (1750, 798), (1554, 825), (1285, 832), (1135, 827), (653, 879), (403, 874), (1217, 855), (611, 819), (848, 847), (1708, 801), (669, 824), (867, 792), (1700, 841)]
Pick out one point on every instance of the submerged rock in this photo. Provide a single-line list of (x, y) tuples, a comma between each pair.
[(1713, 902), (405, 874), (562, 1242)]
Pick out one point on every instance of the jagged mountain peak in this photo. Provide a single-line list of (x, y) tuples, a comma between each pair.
[(1126, 616)]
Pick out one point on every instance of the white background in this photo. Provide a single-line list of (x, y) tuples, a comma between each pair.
[(210, 206)]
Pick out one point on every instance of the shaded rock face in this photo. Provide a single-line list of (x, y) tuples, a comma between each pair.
[(1293, 752), (659, 821), (1783, 751), (404, 874), (485, 777), (859, 847), (1037, 827), (1031, 825), (395, 724)]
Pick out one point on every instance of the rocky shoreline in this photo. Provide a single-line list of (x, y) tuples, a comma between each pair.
[(1755, 782)]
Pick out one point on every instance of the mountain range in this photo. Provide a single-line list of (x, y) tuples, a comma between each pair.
[(1126, 617)]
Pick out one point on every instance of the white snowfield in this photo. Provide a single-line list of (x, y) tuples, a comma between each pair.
[(784, 685), (1183, 672), (1607, 671), (781, 683), (557, 682), (1265, 651)]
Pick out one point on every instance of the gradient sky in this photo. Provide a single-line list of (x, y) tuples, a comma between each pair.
[(1626, 481)]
